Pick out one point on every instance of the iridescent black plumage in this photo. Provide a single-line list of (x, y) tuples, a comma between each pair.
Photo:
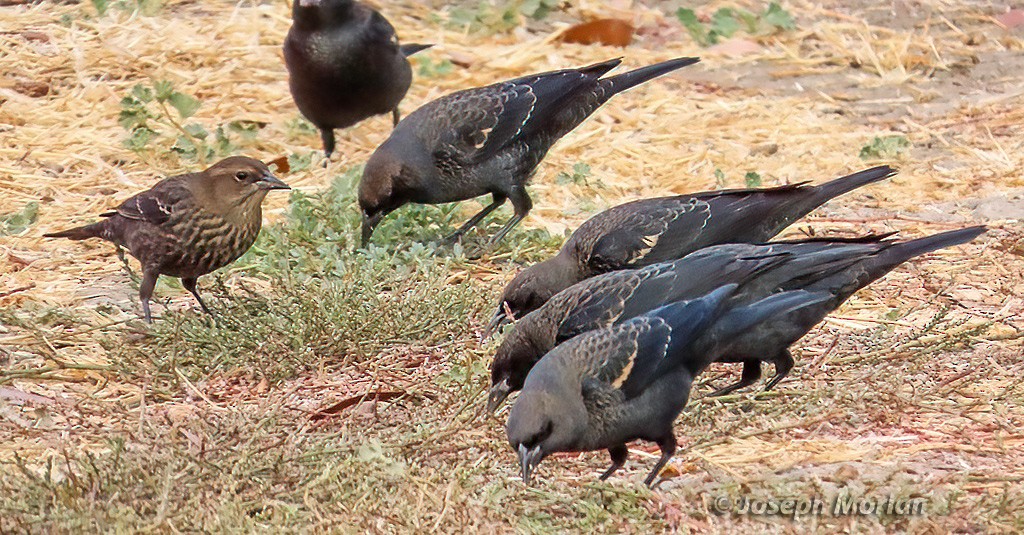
[(344, 64), (487, 140), (837, 267), (648, 231), (607, 387)]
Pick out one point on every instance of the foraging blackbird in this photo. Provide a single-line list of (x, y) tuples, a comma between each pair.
[(609, 386), (649, 231), (839, 267), (344, 64), (188, 225), (839, 278), (487, 140)]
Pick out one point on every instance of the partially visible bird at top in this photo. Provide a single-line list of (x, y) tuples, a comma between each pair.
[(649, 231), (607, 387), (487, 140), (344, 64), (188, 225)]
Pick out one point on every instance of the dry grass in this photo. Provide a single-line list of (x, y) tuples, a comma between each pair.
[(262, 420)]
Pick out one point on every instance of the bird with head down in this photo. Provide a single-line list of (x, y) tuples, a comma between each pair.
[(839, 267), (487, 140), (649, 231), (188, 225), (607, 387)]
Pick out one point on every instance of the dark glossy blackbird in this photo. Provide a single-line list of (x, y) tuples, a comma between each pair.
[(839, 267), (188, 225), (487, 140), (607, 387), (344, 64), (648, 231), (840, 278)]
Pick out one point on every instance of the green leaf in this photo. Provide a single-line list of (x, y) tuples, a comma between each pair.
[(139, 138), (299, 162), (723, 24), (720, 177), (101, 6), (778, 17), (884, 147), (752, 179), (749, 19), (196, 131), (163, 89), (185, 104), (142, 93), (222, 143), (428, 68), (697, 30), (18, 222)]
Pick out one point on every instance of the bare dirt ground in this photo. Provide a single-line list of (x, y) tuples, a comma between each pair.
[(357, 404)]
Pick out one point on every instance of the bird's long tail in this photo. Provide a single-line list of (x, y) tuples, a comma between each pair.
[(848, 183), (899, 253), (624, 81), (94, 230)]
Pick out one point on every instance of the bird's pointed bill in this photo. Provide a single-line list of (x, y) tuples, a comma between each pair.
[(497, 395), (528, 461), (499, 320), (269, 181)]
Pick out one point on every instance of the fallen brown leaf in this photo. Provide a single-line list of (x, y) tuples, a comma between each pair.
[(613, 32)]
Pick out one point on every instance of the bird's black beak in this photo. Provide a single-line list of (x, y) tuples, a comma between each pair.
[(497, 394), (528, 461), (500, 319), (369, 223), (269, 181)]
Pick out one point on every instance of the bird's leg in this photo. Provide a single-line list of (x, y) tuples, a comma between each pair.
[(190, 284), (327, 135), (124, 261), (497, 200), (149, 277), (395, 117), (619, 454), (783, 363), (751, 373), (522, 204), (667, 444)]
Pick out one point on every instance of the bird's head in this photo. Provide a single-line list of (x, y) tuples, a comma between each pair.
[(531, 288), (512, 362), (543, 422), (238, 183), (380, 189), (321, 13)]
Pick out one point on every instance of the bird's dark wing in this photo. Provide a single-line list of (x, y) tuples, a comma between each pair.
[(156, 204), (631, 355), (632, 231), (532, 101), (475, 124), (601, 301), (379, 32)]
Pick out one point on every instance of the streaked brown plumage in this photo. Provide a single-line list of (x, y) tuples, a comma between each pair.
[(188, 225)]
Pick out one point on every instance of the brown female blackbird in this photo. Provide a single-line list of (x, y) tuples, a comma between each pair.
[(487, 140), (344, 64), (648, 231), (188, 225)]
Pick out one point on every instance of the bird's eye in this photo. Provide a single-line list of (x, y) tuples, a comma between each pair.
[(241, 175)]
